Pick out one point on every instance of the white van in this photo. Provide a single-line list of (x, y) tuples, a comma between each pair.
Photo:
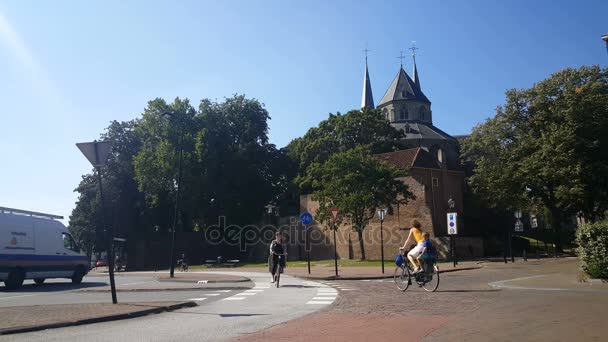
[(37, 246)]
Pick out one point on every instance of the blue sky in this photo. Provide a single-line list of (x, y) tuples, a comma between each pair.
[(67, 68)]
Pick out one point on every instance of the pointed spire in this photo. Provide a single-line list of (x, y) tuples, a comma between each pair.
[(367, 100), (415, 72)]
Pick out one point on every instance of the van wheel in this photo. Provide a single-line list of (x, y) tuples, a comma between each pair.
[(39, 281), (14, 280), (78, 275)]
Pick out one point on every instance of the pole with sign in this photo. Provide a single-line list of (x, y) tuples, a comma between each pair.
[(306, 219), (334, 215), (97, 153), (381, 215), (453, 232)]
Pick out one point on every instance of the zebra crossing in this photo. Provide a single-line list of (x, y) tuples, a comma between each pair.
[(257, 289)]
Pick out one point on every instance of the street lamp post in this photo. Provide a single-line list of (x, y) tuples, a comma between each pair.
[(173, 116), (605, 39)]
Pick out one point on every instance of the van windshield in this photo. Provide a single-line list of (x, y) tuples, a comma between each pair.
[(69, 243)]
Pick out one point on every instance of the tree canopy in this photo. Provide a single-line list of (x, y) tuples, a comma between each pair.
[(358, 184), (548, 144), (228, 169), (367, 128)]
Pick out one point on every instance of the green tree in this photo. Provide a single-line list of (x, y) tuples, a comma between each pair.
[(358, 184), (545, 144), (368, 128)]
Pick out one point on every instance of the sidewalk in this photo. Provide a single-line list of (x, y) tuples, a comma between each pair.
[(34, 318)]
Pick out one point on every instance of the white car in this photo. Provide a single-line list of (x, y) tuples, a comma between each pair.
[(37, 246)]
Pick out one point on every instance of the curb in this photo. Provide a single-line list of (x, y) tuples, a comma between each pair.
[(379, 277), (101, 319), (170, 289)]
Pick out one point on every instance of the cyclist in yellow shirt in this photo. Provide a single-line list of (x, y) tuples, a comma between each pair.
[(416, 251)]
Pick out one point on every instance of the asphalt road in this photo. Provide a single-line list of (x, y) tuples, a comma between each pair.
[(220, 316)]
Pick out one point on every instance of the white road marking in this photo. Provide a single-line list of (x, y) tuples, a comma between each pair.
[(324, 298), (224, 291), (319, 302), (234, 298), (254, 290), (30, 295), (141, 282), (326, 294), (247, 293), (197, 299)]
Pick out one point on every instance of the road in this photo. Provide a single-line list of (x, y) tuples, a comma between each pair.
[(465, 308), (221, 314)]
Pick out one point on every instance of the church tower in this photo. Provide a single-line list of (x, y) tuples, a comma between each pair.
[(407, 108), (367, 100)]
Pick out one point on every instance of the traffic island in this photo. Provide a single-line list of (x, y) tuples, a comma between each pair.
[(34, 318)]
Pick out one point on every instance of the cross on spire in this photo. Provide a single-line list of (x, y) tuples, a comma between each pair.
[(366, 51), (414, 48), (401, 57)]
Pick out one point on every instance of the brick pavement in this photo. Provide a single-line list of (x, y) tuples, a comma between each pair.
[(465, 308), (31, 318)]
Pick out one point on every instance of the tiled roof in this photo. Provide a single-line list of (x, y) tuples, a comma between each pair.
[(403, 159)]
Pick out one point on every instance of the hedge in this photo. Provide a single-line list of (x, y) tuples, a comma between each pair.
[(592, 239)]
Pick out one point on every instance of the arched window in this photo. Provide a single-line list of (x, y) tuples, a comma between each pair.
[(422, 113), (440, 155), (385, 112), (403, 114)]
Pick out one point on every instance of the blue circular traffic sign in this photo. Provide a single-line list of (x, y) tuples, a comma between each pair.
[(306, 218)]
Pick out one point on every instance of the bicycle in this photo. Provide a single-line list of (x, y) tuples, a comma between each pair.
[(428, 279), (183, 265), (277, 273)]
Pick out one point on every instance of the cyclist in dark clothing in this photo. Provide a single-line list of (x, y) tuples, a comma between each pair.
[(276, 248)]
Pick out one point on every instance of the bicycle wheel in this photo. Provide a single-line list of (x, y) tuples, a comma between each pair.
[(432, 280), (402, 277)]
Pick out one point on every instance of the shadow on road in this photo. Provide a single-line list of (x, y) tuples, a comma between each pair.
[(461, 291), (216, 314), (53, 287), (301, 286)]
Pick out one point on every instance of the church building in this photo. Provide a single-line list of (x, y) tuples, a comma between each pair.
[(435, 177)]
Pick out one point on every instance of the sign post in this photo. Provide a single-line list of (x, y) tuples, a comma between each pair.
[(453, 232), (334, 215), (381, 215), (306, 219), (97, 153)]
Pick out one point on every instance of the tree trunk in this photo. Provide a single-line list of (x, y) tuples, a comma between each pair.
[(556, 217), (360, 234)]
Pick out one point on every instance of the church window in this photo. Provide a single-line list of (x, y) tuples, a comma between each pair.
[(435, 182), (403, 115), (440, 155), (422, 113), (385, 112)]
